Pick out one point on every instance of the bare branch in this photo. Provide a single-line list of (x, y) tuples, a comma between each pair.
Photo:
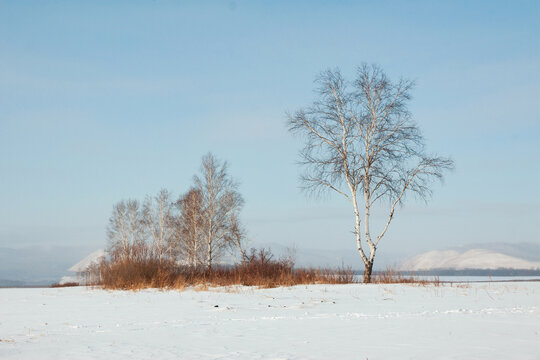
[(365, 140)]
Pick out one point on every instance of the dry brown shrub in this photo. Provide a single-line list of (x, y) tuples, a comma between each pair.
[(259, 268), (68, 284)]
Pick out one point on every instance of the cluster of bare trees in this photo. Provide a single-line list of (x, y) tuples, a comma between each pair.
[(195, 230), (362, 143)]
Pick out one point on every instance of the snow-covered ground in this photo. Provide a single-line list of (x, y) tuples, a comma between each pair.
[(471, 321)]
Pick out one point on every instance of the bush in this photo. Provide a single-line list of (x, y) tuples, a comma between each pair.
[(257, 269)]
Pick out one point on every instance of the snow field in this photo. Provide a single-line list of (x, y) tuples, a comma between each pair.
[(355, 321)]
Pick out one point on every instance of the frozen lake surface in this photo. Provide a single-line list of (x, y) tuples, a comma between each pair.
[(462, 278), (458, 321), (468, 278)]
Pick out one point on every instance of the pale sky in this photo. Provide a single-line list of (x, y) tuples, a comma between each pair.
[(101, 101)]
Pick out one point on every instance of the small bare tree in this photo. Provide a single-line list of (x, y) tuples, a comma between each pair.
[(221, 204), (362, 143), (238, 239), (190, 227), (125, 231), (158, 220)]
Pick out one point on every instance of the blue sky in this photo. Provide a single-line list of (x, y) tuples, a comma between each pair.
[(101, 101)]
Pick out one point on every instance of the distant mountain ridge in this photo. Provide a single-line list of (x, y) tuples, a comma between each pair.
[(525, 250), (483, 257)]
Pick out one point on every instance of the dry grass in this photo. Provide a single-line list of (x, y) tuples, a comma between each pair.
[(258, 269), (393, 276)]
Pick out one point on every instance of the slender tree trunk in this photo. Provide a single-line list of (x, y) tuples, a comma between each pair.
[(357, 231), (367, 272), (357, 228), (372, 248), (194, 254), (209, 255), (367, 263)]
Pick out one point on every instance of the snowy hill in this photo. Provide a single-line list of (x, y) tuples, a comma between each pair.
[(478, 258), (90, 260)]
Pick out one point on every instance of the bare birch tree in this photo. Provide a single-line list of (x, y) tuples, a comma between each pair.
[(221, 204), (125, 231), (158, 220), (190, 227), (361, 143)]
